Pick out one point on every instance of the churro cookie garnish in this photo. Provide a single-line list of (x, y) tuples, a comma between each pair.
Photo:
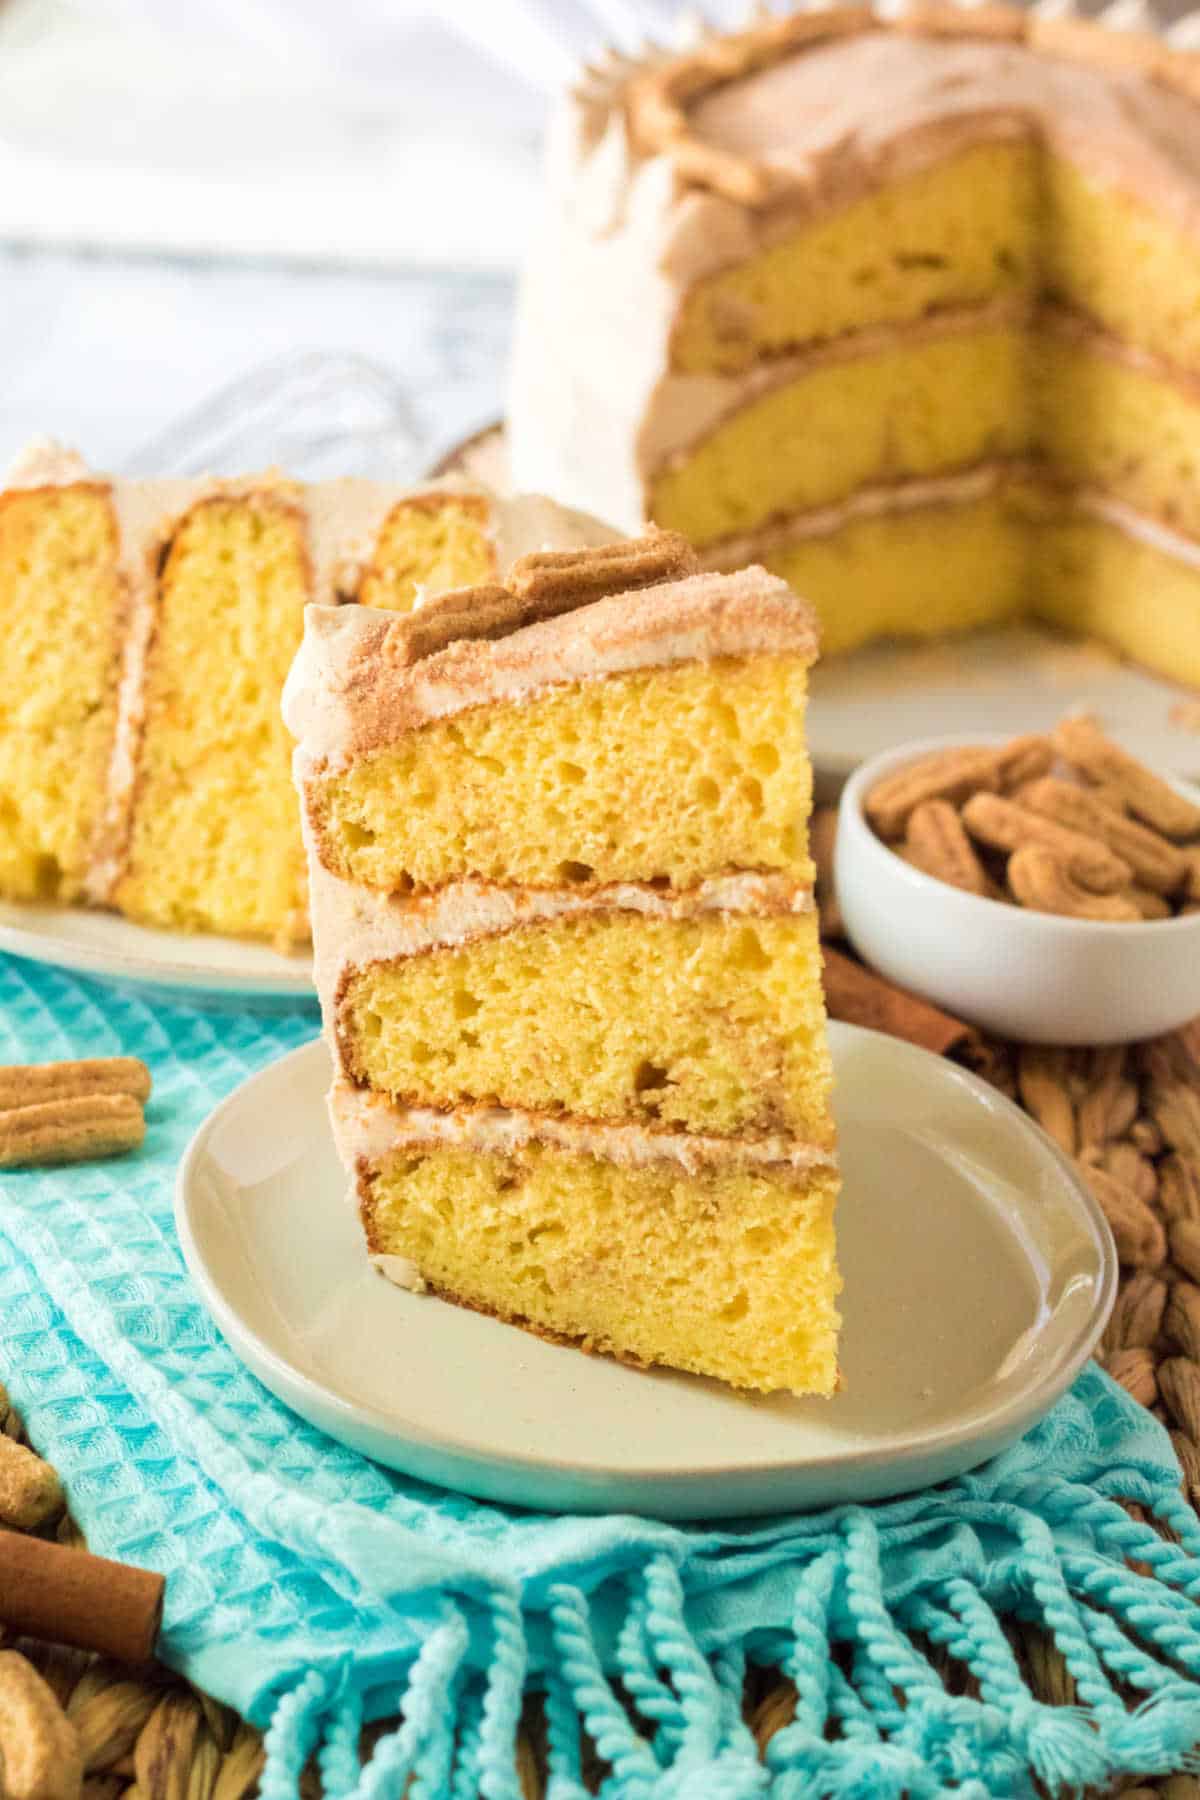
[(1156, 862), (29, 1084), (564, 579), (937, 841), (946, 775), (1081, 743), (81, 1129), (1067, 823), (1003, 825), (1042, 878), (64, 1112), (540, 586)]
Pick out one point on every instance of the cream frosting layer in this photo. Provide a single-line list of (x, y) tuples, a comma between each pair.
[(340, 520), (959, 489), (879, 105), (371, 1129), (355, 926), (1140, 526), (912, 495), (345, 696)]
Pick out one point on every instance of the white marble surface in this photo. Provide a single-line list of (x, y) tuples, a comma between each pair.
[(362, 372)]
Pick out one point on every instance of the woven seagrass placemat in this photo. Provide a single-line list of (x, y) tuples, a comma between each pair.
[(1131, 1119)]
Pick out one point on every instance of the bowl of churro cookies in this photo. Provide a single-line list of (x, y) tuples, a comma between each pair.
[(1045, 887)]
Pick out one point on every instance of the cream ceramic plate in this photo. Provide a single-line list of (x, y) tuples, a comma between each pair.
[(173, 964), (1010, 681), (978, 1277)]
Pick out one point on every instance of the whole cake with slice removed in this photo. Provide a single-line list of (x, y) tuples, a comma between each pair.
[(145, 631), (567, 955), (906, 308)]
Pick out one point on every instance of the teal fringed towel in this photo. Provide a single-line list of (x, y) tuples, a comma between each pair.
[(310, 1589)]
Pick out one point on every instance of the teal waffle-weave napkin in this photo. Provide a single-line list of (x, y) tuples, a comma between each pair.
[(310, 1589)]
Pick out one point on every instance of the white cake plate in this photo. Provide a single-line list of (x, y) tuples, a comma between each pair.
[(978, 1276), (1012, 680), (173, 965)]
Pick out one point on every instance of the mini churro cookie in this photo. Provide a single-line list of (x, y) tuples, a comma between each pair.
[(1067, 823), (1080, 742), (540, 586), (1039, 877), (79, 1129), (1003, 825), (937, 842), (946, 775), (28, 1084), (1156, 862)]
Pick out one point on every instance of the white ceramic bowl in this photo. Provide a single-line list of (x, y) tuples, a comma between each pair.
[(1028, 975)]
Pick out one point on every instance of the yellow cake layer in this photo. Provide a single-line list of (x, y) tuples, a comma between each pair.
[(562, 789), (712, 1024), (956, 234), (1104, 424), (1108, 257), (927, 409), (997, 218), (928, 571), (59, 659), (429, 543), (915, 409), (725, 1273), (919, 573), (215, 841), (1094, 579)]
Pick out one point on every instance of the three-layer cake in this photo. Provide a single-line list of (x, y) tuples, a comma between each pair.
[(906, 308), (567, 955)]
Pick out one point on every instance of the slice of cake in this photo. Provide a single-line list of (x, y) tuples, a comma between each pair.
[(147, 628), (567, 955), (904, 308)]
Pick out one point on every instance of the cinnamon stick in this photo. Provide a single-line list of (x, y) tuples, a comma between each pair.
[(71, 1597), (858, 996)]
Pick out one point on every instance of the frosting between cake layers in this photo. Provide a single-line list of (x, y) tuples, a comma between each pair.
[(1134, 524), (371, 1128), (959, 489), (344, 697), (908, 495), (355, 926)]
